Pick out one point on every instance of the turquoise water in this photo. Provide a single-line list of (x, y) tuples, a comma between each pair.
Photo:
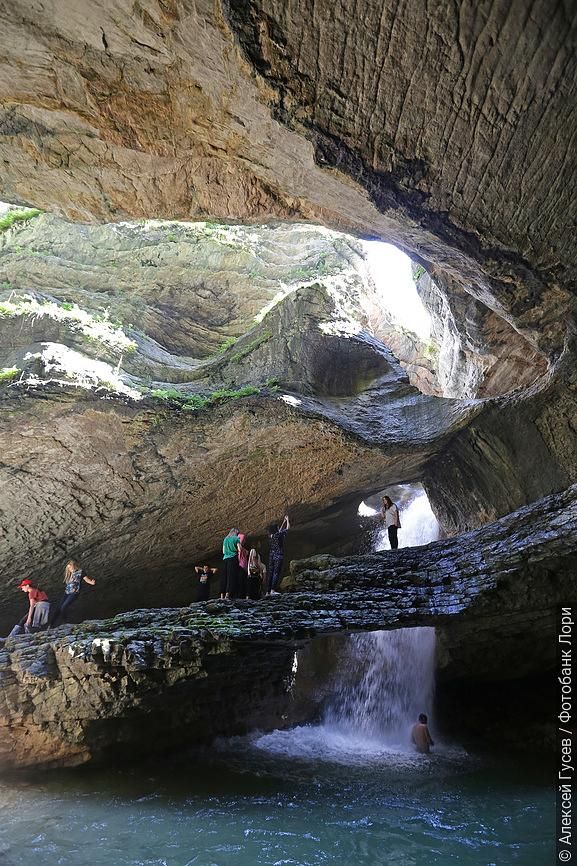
[(299, 797)]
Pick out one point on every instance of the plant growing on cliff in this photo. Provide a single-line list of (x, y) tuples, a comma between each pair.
[(17, 216), (194, 402), (226, 344), (7, 374), (248, 349)]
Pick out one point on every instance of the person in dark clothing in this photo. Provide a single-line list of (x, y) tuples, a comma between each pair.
[(74, 577), (204, 572), (390, 514), (256, 573), (276, 553)]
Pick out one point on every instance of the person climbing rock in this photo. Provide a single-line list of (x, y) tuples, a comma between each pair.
[(390, 514), (74, 577), (204, 572), (276, 553), (229, 577), (420, 736), (256, 573), (38, 609)]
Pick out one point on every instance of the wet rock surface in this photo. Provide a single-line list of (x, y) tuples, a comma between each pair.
[(83, 692)]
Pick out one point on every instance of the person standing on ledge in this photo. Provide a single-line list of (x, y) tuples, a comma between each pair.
[(74, 576), (204, 572), (420, 736), (390, 513), (229, 576), (276, 553)]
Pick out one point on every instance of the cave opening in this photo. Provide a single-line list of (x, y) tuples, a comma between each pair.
[(234, 360)]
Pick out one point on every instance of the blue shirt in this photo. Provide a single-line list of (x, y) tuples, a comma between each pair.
[(74, 582)]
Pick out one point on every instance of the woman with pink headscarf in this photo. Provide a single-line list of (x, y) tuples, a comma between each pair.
[(242, 582)]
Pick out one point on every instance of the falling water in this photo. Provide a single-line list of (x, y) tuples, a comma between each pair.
[(386, 678)]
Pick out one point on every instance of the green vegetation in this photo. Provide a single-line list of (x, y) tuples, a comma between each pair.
[(246, 350), (17, 216), (8, 373), (194, 402), (226, 344), (320, 268), (418, 272), (431, 351), (67, 306)]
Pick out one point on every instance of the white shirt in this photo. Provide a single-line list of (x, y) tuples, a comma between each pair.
[(391, 516)]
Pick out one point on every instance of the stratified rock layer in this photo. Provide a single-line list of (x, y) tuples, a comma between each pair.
[(142, 679), (447, 130)]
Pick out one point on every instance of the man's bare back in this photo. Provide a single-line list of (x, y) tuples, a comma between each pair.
[(421, 738)]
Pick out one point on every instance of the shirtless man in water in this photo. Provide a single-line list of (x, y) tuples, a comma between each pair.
[(420, 735)]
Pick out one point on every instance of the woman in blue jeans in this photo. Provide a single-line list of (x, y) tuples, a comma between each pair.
[(73, 578)]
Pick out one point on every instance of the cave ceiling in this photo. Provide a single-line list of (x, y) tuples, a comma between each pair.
[(447, 130)]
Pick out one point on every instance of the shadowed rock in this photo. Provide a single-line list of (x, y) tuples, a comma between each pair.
[(140, 680)]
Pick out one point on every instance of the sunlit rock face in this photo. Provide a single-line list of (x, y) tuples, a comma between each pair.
[(182, 288), (474, 351), (444, 143)]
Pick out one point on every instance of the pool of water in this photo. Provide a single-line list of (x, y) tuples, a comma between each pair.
[(311, 795)]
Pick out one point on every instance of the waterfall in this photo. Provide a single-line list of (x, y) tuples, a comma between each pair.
[(385, 679)]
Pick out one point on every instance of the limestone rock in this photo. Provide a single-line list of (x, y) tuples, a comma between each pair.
[(138, 681), (418, 125)]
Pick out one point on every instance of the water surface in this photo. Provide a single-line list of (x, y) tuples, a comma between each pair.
[(310, 795)]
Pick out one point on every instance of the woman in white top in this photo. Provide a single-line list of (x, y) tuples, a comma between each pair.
[(390, 513)]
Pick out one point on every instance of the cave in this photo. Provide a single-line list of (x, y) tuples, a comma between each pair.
[(260, 259)]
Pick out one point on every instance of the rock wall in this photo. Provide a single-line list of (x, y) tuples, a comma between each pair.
[(421, 126), (145, 679)]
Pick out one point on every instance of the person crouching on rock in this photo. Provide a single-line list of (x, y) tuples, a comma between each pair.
[(73, 578), (204, 572), (38, 609), (390, 513)]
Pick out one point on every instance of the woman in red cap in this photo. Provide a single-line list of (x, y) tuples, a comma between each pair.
[(38, 609)]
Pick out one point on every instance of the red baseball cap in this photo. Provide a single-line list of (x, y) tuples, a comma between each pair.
[(25, 582)]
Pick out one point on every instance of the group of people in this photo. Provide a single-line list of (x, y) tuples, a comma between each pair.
[(244, 574), (41, 614)]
